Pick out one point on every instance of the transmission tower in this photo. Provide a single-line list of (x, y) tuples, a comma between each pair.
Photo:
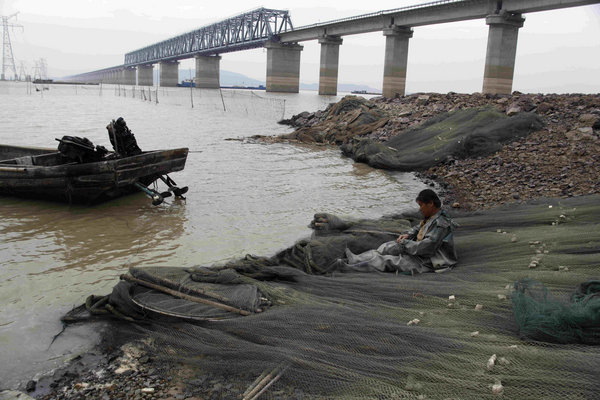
[(40, 71), (23, 76), (8, 60)]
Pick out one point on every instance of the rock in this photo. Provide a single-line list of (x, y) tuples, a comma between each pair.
[(30, 387), (478, 307), (456, 204), (423, 99), (439, 107), (588, 119), (497, 388), (584, 133), (452, 297), (14, 395), (491, 362), (544, 107), (513, 110), (413, 322), (475, 334)]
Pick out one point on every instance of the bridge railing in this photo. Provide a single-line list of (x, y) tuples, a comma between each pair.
[(249, 30), (380, 13)]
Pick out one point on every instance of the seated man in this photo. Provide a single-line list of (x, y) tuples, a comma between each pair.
[(426, 248)]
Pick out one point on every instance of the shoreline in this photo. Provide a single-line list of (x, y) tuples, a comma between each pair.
[(103, 372), (560, 160)]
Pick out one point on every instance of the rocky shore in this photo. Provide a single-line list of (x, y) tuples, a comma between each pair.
[(560, 160), (126, 372)]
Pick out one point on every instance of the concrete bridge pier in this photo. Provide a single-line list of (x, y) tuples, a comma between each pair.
[(207, 72), (128, 76), (113, 78), (501, 52), (169, 73), (283, 67), (328, 72), (396, 59), (145, 75)]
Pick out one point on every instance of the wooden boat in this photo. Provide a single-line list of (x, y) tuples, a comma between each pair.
[(46, 174)]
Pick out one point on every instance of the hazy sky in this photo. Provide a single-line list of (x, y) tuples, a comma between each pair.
[(558, 51)]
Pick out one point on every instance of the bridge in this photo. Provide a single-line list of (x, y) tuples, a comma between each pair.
[(273, 30)]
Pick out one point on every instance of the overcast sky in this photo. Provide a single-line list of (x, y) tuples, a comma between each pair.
[(558, 51)]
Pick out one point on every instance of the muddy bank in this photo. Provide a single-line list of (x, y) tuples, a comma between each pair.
[(558, 158)]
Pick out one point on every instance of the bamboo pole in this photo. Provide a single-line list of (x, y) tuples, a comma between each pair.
[(184, 296)]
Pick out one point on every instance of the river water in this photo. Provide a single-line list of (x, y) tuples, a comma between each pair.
[(244, 198)]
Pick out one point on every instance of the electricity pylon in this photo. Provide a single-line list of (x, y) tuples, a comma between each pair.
[(8, 60)]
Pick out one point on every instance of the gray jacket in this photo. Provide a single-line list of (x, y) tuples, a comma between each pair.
[(436, 249)]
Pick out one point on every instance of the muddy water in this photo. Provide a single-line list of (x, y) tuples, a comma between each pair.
[(243, 198)]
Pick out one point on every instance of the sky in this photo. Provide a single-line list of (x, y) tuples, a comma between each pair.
[(557, 52)]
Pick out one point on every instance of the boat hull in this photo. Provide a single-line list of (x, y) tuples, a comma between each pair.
[(40, 177)]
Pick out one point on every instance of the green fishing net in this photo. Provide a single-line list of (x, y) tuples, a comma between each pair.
[(472, 132)]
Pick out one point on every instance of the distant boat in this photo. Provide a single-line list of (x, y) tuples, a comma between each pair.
[(363, 92), (259, 87), (46, 174), (186, 83)]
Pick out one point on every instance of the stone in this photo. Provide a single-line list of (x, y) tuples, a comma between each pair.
[(497, 388), (423, 99), (491, 362), (513, 110), (413, 322), (588, 119), (478, 307), (583, 133), (31, 385), (14, 395)]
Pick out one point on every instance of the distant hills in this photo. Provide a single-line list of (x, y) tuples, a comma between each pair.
[(229, 78)]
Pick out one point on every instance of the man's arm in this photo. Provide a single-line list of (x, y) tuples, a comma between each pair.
[(411, 234), (430, 243)]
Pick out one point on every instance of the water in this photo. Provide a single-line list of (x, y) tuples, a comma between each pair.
[(243, 198)]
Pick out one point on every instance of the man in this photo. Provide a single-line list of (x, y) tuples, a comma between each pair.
[(428, 247)]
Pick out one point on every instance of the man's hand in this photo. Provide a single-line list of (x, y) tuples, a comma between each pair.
[(401, 238)]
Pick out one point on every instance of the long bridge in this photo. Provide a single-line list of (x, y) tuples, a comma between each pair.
[(273, 30)]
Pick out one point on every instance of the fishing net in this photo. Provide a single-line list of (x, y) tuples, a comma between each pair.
[(542, 317), (458, 134), (296, 328)]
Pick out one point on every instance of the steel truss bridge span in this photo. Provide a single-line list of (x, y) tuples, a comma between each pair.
[(245, 31)]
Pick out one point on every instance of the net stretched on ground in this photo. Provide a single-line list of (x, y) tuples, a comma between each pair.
[(478, 331)]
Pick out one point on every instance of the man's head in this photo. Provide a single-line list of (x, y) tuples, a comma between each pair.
[(429, 203)]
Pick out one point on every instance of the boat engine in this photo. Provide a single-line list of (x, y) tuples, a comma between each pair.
[(80, 149), (122, 139)]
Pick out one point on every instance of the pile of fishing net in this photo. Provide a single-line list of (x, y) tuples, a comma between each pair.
[(467, 133), (297, 328)]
